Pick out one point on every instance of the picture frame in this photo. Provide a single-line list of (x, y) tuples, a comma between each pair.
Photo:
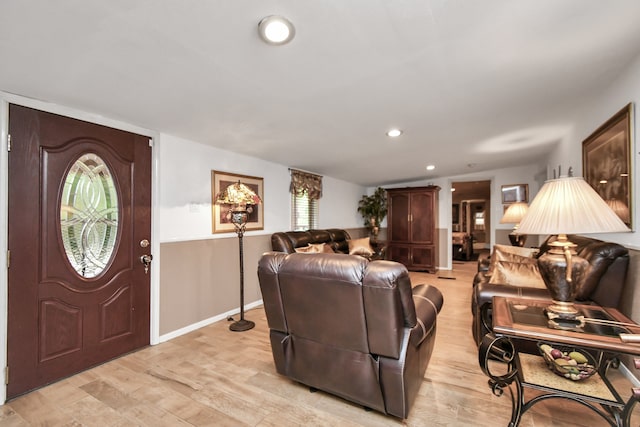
[(513, 193), (221, 180), (606, 162)]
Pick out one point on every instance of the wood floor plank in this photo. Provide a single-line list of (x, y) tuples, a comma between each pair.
[(215, 377)]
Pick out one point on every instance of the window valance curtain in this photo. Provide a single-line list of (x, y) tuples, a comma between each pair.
[(305, 182)]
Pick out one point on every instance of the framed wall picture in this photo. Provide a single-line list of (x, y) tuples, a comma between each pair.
[(221, 222), (606, 162), (513, 193)]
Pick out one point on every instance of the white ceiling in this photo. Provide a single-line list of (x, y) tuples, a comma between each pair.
[(475, 85)]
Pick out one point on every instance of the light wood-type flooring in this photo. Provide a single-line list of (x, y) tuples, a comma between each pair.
[(215, 377)]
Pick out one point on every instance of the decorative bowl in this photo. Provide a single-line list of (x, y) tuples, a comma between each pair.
[(570, 363)]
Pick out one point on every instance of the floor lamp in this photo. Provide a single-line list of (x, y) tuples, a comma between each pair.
[(241, 200)]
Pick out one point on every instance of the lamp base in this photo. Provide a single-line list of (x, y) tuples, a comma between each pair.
[(517, 239), (562, 310), (241, 325), (562, 271)]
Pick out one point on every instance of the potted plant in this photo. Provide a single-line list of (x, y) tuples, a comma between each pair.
[(373, 210)]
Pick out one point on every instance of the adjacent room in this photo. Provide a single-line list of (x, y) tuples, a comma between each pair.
[(358, 213)]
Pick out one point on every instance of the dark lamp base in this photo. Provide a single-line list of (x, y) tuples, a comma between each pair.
[(562, 310), (517, 239), (241, 325)]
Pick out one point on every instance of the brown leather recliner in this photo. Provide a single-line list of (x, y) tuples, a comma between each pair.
[(603, 284), (350, 327)]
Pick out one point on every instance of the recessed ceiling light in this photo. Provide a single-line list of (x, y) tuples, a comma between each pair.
[(393, 133), (431, 167), (276, 30)]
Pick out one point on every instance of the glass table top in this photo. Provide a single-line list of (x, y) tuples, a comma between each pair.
[(535, 315)]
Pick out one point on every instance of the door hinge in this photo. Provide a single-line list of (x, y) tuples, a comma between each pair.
[(6, 375), (151, 143), (8, 258), (9, 142)]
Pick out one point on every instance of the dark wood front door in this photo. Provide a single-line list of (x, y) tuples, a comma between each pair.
[(79, 221)]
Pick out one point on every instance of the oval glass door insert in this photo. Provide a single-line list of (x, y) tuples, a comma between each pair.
[(89, 215)]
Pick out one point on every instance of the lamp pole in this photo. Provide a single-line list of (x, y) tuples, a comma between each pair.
[(239, 220)]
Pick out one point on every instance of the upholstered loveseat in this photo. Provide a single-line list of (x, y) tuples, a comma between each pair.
[(350, 327), (603, 284), (330, 240)]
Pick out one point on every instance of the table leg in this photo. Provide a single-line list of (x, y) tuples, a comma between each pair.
[(501, 349)]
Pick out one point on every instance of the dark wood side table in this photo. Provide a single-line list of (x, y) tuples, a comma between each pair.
[(518, 323)]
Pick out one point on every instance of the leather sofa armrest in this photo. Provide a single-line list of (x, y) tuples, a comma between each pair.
[(379, 248), (428, 301), (484, 260), (280, 242)]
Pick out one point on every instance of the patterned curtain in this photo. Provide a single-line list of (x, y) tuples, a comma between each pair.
[(305, 182)]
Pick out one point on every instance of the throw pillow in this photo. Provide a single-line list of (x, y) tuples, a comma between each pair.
[(510, 254), (360, 247), (523, 274), (327, 249), (315, 248), (322, 248), (309, 249), (516, 250)]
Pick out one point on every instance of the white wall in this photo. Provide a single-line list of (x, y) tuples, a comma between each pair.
[(185, 191), (594, 113), (339, 204)]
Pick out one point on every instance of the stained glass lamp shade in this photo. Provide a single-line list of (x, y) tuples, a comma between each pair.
[(239, 195)]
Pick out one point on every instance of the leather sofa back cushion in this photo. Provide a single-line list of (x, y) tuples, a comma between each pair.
[(523, 274)]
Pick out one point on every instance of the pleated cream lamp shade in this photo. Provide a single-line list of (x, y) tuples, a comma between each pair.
[(513, 215), (567, 205)]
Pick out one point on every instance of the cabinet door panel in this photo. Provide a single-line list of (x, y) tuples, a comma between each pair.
[(422, 224), (398, 217), (423, 257), (401, 254)]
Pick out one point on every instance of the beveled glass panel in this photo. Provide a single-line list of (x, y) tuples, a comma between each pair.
[(89, 215)]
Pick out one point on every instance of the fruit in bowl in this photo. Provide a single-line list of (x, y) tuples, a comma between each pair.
[(569, 363)]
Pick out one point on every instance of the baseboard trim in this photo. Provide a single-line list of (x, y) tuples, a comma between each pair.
[(206, 322), (629, 375)]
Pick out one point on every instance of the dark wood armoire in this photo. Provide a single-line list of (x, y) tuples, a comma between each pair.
[(412, 227)]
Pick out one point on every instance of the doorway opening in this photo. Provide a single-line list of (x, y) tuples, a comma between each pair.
[(471, 217)]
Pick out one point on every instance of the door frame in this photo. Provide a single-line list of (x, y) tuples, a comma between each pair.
[(5, 100), (448, 208)]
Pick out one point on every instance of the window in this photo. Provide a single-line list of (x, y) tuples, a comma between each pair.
[(306, 190), (304, 212)]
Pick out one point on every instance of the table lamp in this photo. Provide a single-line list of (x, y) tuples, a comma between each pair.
[(567, 205), (513, 215), (241, 199)]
